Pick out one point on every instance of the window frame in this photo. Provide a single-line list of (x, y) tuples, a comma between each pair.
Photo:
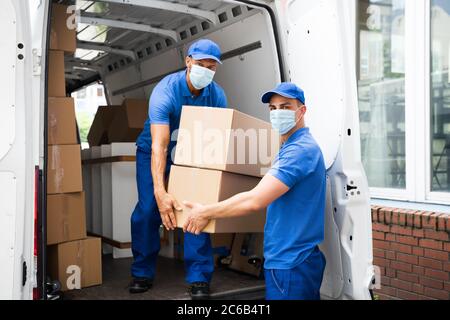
[(418, 145)]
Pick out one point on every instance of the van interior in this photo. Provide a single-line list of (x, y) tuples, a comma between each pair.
[(129, 49)]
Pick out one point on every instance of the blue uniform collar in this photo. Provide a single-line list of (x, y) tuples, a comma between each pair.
[(297, 134), (185, 88)]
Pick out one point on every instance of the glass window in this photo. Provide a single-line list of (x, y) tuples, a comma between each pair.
[(440, 95), (381, 90)]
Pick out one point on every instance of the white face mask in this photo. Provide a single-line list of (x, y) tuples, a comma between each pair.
[(201, 77), (283, 120)]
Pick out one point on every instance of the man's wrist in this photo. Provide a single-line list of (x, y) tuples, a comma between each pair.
[(159, 191)]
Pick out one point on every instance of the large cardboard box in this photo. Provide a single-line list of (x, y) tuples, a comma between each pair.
[(211, 186), (56, 74), (66, 217), (64, 169), (129, 121), (76, 260), (62, 127), (225, 139), (61, 37), (247, 254), (98, 134)]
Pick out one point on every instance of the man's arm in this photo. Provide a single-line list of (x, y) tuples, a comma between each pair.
[(166, 202), (266, 192)]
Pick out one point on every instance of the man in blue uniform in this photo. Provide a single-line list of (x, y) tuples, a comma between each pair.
[(294, 193), (195, 87)]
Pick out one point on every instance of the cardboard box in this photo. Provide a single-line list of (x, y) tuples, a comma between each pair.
[(56, 74), (62, 127), (129, 121), (61, 37), (66, 217), (226, 140), (221, 244), (211, 186), (247, 254), (98, 134), (64, 259), (64, 169)]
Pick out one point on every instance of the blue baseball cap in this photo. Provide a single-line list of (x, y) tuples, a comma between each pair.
[(205, 49), (287, 90)]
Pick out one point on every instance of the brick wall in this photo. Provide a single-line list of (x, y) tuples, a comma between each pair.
[(412, 250)]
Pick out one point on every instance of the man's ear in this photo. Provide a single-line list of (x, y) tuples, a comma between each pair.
[(188, 62)]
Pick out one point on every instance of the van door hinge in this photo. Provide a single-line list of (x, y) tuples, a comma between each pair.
[(24, 273), (37, 62)]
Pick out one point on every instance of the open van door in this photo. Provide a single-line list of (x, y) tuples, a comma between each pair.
[(17, 163), (319, 42)]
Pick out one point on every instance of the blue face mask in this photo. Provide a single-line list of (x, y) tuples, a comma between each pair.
[(283, 120), (200, 77)]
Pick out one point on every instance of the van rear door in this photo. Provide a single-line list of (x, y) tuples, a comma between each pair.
[(16, 148), (319, 40)]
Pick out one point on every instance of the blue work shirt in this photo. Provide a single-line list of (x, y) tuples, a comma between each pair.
[(166, 102), (295, 221)]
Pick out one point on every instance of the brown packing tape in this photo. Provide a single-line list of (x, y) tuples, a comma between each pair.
[(56, 166), (52, 127), (80, 261)]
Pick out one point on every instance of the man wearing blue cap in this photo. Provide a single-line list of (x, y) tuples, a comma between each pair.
[(195, 87), (294, 193)]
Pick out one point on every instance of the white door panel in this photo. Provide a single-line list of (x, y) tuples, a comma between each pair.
[(7, 78)]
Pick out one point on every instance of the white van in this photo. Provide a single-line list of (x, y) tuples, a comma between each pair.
[(309, 42)]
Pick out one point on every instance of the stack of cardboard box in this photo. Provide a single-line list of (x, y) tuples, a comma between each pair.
[(220, 153), (68, 244)]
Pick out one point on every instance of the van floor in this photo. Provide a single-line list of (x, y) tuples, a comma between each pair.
[(169, 283)]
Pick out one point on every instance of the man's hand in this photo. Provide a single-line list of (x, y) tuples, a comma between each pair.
[(166, 205), (197, 219)]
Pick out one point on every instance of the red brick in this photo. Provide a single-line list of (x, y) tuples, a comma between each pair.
[(430, 263), (407, 240), (394, 218), (400, 284), (390, 237), (381, 244), (401, 247), (447, 246), (410, 219), (402, 266), (441, 222), (418, 251), (437, 274), (431, 283), (407, 258), (388, 291), (390, 255), (418, 270), (446, 266), (380, 262), (378, 253), (391, 273), (418, 220), (437, 235), (406, 276), (429, 221), (381, 215), (447, 286), (380, 227), (438, 294), (431, 244), (435, 254), (385, 281), (447, 224), (401, 230), (418, 233), (405, 295), (375, 214), (417, 288), (378, 235), (401, 218), (388, 217)]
